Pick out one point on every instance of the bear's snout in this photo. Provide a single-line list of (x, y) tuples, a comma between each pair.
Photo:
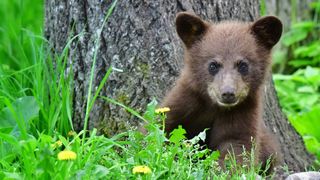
[(228, 96)]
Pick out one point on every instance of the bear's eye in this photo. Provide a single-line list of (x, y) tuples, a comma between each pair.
[(214, 68), (243, 67)]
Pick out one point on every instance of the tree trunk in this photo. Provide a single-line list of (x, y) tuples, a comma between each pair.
[(140, 39)]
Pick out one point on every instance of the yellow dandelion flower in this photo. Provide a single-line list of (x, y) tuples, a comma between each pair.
[(71, 133), (162, 110), (141, 170), (67, 155), (56, 144)]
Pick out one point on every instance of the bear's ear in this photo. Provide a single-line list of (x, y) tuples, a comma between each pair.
[(267, 30), (190, 28)]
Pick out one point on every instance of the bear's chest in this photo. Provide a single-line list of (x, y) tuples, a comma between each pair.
[(198, 122)]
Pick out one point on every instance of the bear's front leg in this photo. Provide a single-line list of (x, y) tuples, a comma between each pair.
[(234, 150)]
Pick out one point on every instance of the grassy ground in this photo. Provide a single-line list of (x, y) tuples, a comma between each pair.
[(36, 137), (65, 157)]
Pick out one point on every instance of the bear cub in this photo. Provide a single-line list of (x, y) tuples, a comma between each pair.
[(220, 86)]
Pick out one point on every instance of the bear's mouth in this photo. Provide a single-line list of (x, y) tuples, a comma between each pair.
[(228, 104)]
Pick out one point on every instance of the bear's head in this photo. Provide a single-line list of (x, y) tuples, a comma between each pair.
[(227, 61)]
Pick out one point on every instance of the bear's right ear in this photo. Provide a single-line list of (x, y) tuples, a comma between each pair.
[(190, 28), (267, 30)]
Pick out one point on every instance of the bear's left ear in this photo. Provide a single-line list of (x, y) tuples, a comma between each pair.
[(267, 30), (190, 28)]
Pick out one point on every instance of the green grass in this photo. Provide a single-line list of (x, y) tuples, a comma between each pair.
[(21, 21), (101, 157)]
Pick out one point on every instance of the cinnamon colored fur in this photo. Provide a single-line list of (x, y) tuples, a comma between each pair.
[(220, 86)]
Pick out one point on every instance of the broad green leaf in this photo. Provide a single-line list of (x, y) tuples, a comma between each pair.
[(306, 123), (309, 50), (100, 171), (307, 101), (301, 62), (306, 25), (150, 112), (312, 144), (294, 36), (25, 107), (177, 135), (215, 155), (310, 72), (281, 77), (306, 89)]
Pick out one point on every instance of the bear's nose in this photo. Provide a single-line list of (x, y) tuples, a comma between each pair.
[(228, 97)]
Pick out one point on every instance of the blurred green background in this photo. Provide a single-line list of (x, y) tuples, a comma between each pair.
[(20, 21)]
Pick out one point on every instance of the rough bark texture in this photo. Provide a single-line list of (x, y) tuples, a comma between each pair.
[(140, 39)]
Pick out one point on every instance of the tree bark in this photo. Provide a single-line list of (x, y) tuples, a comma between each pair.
[(140, 39)]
